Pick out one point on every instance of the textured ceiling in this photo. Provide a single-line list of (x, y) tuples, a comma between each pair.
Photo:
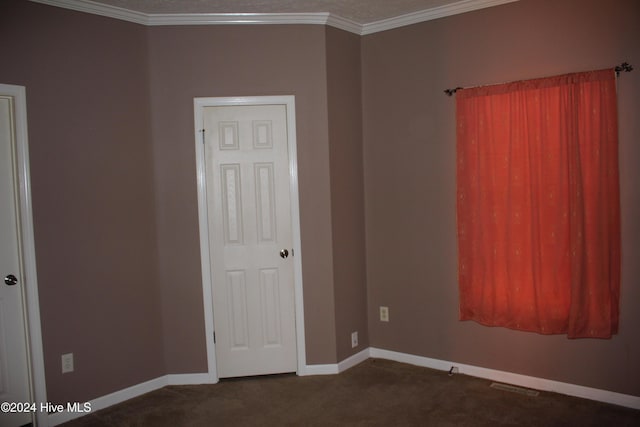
[(359, 11)]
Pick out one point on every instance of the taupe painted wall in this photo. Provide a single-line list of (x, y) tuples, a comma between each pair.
[(92, 192), (110, 110), (409, 164), (347, 189), (188, 62)]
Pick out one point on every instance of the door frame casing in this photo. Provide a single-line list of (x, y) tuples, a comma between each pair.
[(199, 106), (31, 305)]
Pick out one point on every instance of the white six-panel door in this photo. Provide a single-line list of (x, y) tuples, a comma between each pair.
[(250, 239), (14, 379)]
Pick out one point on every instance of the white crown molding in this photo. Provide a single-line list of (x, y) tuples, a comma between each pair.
[(160, 19), (344, 24), (319, 18), (94, 8), (430, 14)]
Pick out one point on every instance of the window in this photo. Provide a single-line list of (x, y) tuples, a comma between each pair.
[(538, 209)]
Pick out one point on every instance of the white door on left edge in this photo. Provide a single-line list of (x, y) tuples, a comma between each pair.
[(250, 236), (14, 380)]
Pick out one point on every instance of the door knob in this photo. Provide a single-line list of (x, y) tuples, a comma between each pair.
[(10, 280), (284, 253)]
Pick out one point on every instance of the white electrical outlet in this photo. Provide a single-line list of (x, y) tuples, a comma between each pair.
[(384, 314), (67, 363), (354, 339)]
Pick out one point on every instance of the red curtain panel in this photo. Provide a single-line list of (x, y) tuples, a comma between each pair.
[(538, 210)]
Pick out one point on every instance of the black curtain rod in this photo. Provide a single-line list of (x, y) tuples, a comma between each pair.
[(625, 66)]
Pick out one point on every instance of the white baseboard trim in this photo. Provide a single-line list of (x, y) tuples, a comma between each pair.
[(372, 352), (336, 368), (354, 360), (511, 378), (129, 393), (329, 369)]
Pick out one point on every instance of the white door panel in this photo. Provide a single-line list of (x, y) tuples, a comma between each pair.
[(249, 215), (14, 380)]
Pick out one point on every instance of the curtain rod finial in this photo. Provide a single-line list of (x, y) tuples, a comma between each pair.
[(625, 66), (450, 92)]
